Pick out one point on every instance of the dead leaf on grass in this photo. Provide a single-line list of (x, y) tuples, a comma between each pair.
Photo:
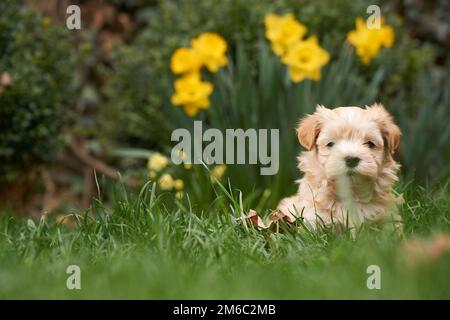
[(419, 251), (274, 219)]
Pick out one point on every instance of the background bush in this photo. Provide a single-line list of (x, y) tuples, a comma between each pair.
[(34, 107)]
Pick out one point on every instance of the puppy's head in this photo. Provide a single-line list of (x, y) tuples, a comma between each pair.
[(350, 141)]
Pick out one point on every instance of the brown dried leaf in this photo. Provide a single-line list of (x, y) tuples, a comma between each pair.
[(439, 246), (277, 216), (255, 219), (418, 251), (273, 221)]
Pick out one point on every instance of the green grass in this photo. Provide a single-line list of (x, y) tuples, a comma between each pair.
[(149, 246)]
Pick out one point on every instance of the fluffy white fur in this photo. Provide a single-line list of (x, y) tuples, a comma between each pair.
[(330, 188)]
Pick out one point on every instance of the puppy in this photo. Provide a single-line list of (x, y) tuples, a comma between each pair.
[(348, 167)]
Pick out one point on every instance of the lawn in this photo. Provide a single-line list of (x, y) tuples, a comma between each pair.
[(151, 246)]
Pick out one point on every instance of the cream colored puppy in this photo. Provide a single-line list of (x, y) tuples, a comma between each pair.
[(348, 167)]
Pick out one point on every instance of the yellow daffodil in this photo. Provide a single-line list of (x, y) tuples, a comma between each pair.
[(185, 60), (178, 184), (181, 154), (192, 93), (188, 165), (283, 32), (152, 175), (212, 49), (368, 42), (166, 182), (218, 172), (157, 162), (179, 195), (46, 22), (305, 59)]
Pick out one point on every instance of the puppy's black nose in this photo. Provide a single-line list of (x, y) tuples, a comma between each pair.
[(352, 162)]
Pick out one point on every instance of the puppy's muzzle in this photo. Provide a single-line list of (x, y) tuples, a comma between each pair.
[(352, 162)]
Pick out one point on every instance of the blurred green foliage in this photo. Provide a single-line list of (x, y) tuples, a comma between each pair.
[(423, 113), (37, 57)]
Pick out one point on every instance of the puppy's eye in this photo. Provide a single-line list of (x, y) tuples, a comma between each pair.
[(370, 144), (330, 144)]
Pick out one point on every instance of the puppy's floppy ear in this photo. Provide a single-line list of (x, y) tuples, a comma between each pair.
[(308, 129), (390, 131)]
